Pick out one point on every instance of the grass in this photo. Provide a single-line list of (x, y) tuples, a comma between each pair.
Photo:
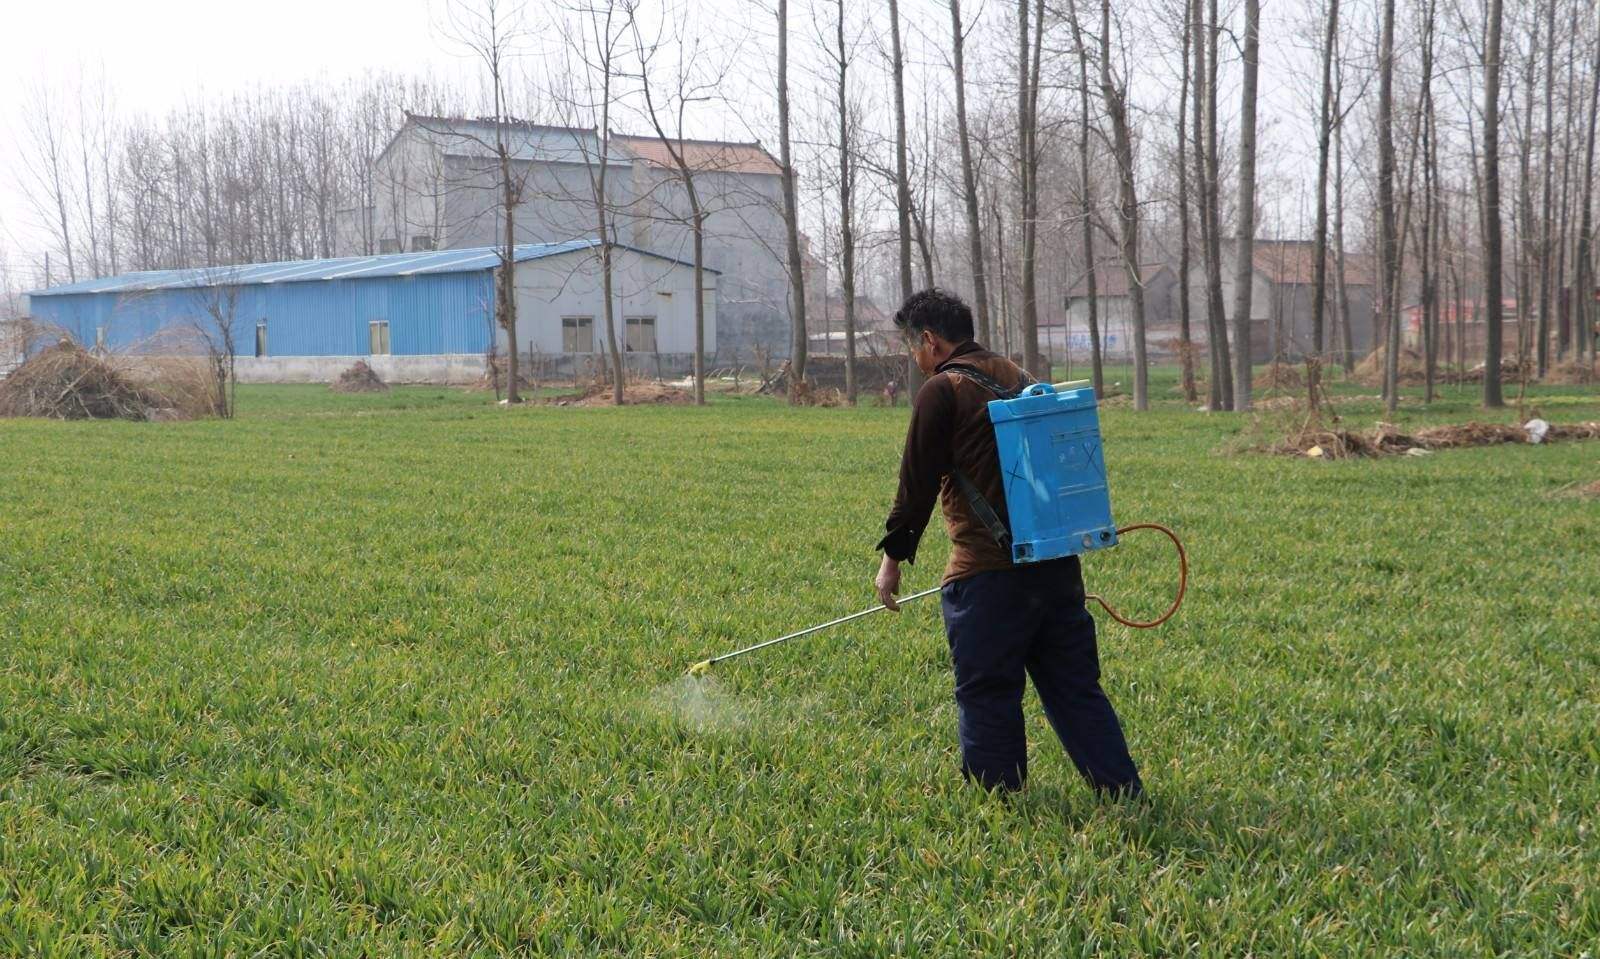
[(398, 675)]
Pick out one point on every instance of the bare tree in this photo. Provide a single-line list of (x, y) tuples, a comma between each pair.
[(847, 236), (1244, 265), (1387, 253), (592, 32), (1028, 67), (492, 32), (1086, 206), (46, 170), (1547, 168), (1114, 93), (1492, 261), (686, 89), (1208, 180), (1341, 289), (791, 217), (1583, 280), (216, 329), (1319, 282), (1185, 337), (969, 186), (1430, 214)]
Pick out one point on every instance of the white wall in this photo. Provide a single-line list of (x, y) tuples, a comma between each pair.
[(570, 285)]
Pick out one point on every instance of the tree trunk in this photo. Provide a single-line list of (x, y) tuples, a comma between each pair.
[(1582, 280), (508, 269), (1027, 174), (1244, 268), (791, 219), (1387, 255), (1128, 206), (1086, 189), (1492, 397), (1341, 290), (1430, 216), (1565, 302), (1185, 338), (980, 282), (902, 182), (1216, 317), (1319, 281), (1547, 168), (1526, 246), (699, 298), (847, 237)]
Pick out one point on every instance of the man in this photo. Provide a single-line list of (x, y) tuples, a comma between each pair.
[(1002, 620)]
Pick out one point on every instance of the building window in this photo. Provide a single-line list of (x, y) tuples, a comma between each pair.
[(388, 244), (100, 338), (641, 336), (378, 337), (422, 243), (261, 339), (577, 334)]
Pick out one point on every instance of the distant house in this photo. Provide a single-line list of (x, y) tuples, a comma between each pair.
[(1114, 310), (1463, 326), (1280, 302), (414, 317), (437, 189), (1463, 329), (875, 329)]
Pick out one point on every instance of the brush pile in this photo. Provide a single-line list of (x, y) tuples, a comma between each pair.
[(359, 378), (496, 377), (1370, 371), (1571, 373), (1281, 377), (633, 394), (826, 372), (66, 382), (1388, 440)]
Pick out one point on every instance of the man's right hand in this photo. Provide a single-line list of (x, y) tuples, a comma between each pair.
[(888, 583)]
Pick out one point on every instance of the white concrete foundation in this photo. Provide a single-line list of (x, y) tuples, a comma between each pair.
[(445, 368)]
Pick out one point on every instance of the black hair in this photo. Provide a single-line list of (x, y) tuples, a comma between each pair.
[(938, 311)]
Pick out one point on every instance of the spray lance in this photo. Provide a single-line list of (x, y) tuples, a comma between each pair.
[(1048, 438)]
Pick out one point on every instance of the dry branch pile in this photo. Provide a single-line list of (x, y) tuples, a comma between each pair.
[(497, 376), (66, 382), (1388, 440), (1571, 373), (1280, 376), (1369, 372), (359, 378), (633, 394)]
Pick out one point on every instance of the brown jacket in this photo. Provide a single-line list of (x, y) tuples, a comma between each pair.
[(950, 430)]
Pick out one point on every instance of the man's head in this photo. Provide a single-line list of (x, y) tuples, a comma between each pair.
[(934, 323)]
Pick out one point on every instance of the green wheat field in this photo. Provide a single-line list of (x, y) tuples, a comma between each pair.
[(403, 676)]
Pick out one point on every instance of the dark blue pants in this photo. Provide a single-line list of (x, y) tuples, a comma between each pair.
[(1031, 619)]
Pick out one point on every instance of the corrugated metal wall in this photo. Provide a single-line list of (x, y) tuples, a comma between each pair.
[(427, 314)]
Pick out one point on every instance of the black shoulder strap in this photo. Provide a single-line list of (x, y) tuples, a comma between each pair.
[(989, 383), (986, 513), (979, 504)]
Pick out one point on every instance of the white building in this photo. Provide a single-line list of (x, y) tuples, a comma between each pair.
[(438, 189)]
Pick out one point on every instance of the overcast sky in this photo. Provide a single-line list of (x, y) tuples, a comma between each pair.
[(158, 54), (163, 53)]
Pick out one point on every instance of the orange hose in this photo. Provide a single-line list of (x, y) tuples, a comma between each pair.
[(1183, 580)]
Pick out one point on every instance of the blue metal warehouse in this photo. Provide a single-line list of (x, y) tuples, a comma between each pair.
[(427, 303)]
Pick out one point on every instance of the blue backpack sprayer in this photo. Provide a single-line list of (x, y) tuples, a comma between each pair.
[(1057, 499)]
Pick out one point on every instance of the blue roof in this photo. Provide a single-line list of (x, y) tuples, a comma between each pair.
[(340, 268)]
